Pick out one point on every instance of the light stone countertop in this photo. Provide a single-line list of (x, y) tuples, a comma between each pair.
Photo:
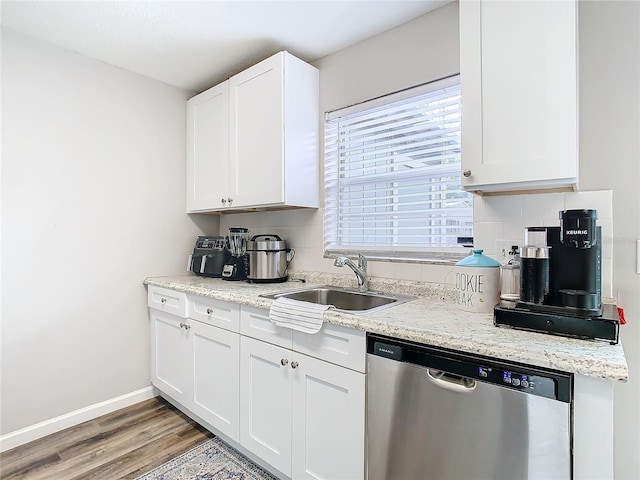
[(431, 319)]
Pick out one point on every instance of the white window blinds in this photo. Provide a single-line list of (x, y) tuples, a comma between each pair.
[(392, 174)]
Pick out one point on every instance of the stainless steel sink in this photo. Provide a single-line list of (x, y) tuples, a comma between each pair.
[(346, 300)]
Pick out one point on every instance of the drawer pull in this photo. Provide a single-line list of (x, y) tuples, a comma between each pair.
[(209, 311), (163, 300), (186, 326), (284, 361), (294, 364)]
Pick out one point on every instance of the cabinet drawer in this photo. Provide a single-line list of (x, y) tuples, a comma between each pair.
[(336, 344), (214, 312), (167, 300), (255, 323)]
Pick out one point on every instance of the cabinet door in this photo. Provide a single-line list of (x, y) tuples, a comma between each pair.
[(208, 149), (328, 421), (170, 361), (519, 88), (265, 402), (216, 367), (256, 118)]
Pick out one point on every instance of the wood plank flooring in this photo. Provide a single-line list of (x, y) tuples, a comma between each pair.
[(122, 444)]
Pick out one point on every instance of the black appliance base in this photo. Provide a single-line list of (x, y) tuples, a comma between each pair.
[(268, 280), (605, 327), (562, 311), (210, 275)]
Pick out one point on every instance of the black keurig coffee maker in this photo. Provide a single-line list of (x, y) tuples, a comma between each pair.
[(568, 258), (560, 281)]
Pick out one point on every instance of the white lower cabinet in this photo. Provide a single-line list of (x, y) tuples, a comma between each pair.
[(197, 365), (170, 355), (302, 415), (215, 353), (328, 421), (265, 402)]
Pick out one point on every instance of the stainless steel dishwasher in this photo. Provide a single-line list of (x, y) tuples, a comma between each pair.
[(437, 414)]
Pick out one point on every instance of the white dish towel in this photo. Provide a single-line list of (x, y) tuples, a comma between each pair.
[(302, 316)]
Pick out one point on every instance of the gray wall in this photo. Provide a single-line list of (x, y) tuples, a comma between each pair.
[(609, 41), (93, 200)]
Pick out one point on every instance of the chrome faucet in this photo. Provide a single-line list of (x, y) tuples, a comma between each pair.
[(360, 270)]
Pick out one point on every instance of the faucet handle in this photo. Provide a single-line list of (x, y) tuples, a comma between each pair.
[(339, 261), (362, 262)]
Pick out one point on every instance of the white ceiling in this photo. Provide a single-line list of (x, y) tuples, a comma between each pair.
[(196, 44)]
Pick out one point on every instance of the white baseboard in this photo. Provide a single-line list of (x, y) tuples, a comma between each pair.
[(53, 425)]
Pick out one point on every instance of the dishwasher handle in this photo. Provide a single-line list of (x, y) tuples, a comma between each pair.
[(454, 383)]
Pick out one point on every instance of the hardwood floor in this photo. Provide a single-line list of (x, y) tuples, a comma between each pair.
[(122, 444)]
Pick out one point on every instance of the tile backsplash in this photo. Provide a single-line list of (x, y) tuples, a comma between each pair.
[(303, 231), (504, 218), (496, 218)]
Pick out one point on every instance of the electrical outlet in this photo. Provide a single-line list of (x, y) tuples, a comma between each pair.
[(503, 247)]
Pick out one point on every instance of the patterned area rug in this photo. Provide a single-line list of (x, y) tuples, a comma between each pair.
[(211, 460)]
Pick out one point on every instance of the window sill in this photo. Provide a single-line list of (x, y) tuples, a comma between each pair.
[(434, 258)]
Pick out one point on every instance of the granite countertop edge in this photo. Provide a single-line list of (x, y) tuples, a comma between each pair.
[(445, 326)]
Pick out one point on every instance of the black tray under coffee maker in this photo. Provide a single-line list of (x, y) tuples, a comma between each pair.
[(560, 282)]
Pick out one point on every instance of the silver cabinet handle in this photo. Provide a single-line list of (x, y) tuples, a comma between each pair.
[(224, 201), (284, 361), (230, 200), (294, 364), (163, 300), (209, 311), (186, 326), (467, 173)]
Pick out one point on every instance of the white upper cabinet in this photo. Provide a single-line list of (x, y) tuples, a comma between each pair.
[(518, 65), (253, 140), (208, 148), (257, 149)]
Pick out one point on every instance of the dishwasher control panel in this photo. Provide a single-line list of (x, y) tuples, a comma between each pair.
[(525, 382), (523, 378)]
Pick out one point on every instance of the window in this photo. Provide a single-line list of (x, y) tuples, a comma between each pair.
[(392, 175)]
